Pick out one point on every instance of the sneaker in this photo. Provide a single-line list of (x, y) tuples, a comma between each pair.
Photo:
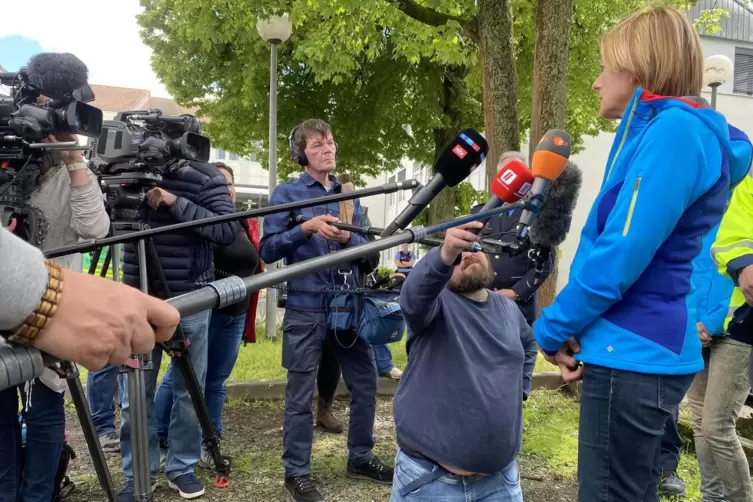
[(374, 470), (205, 460), (109, 442), (671, 485), (126, 494), (302, 489), (188, 486)]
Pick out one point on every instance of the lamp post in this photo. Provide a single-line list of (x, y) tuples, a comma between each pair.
[(716, 71), (273, 30)]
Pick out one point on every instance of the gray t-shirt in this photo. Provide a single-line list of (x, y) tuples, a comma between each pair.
[(460, 399)]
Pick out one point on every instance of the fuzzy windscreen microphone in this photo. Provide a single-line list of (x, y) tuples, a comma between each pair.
[(56, 74), (551, 226)]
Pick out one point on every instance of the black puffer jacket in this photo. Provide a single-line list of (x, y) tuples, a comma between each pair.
[(186, 255)]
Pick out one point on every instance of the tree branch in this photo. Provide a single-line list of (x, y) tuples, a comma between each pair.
[(425, 15)]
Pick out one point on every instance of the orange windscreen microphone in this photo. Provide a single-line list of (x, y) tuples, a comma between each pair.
[(549, 160)]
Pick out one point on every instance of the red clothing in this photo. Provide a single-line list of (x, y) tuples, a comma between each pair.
[(249, 336)]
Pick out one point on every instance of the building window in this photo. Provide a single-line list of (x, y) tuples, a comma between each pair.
[(252, 157), (391, 197), (401, 174), (221, 154), (233, 156), (743, 71)]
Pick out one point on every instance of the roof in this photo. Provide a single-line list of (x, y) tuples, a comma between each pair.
[(169, 107), (738, 26), (118, 99)]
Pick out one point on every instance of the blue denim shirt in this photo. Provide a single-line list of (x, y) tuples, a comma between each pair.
[(283, 239)]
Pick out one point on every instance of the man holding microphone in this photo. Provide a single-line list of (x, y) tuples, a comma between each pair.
[(459, 406)]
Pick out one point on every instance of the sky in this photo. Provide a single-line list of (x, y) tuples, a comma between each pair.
[(102, 33)]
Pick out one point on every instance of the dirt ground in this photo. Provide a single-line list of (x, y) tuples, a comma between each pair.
[(253, 438)]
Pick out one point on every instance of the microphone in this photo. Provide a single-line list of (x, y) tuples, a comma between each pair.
[(56, 74), (548, 162), (513, 181), (551, 226), (456, 162)]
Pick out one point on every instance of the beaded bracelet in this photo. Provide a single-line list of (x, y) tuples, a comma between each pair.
[(38, 320)]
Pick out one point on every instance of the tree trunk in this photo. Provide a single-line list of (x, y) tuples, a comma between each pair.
[(442, 208), (494, 28), (549, 104)]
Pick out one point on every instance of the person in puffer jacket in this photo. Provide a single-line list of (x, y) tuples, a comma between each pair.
[(625, 313), (188, 191)]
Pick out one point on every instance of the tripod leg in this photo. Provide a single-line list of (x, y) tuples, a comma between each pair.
[(95, 260), (87, 426), (106, 264), (178, 350), (142, 489)]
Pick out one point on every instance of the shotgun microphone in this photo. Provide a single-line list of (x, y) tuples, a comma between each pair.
[(456, 162)]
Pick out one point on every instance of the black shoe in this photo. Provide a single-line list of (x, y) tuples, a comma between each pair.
[(302, 489), (671, 485), (373, 470)]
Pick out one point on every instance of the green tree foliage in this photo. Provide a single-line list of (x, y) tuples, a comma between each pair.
[(375, 70)]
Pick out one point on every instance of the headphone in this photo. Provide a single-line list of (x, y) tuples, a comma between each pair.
[(298, 156)]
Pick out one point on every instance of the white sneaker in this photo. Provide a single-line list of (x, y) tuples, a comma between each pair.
[(205, 460), (395, 374)]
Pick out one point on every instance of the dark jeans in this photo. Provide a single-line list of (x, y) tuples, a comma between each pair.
[(100, 393), (45, 435), (671, 444), (622, 419), (225, 333), (305, 333)]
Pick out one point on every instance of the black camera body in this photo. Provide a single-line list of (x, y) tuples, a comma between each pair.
[(47, 97), (132, 152)]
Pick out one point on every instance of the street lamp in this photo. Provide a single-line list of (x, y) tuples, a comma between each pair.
[(716, 71), (273, 30)]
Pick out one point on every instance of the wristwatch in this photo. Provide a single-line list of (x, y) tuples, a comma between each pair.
[(47, 306)]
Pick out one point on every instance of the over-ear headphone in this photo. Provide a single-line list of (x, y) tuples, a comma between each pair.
[(299, 156)]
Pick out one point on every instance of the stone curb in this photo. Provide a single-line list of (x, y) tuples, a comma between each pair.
[(385, 387)]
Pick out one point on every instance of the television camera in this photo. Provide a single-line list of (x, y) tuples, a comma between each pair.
[(133, 151), (46, 97)]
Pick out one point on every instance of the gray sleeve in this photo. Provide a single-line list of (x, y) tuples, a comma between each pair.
[(531, 349), (23, 279), (88, 216)]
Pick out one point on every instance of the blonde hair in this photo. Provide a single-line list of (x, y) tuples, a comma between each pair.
[(659, 48)]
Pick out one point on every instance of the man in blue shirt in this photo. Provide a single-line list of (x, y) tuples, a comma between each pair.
[(404, 260), (305, 325)]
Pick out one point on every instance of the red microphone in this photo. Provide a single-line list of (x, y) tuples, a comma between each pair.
[(513, 181)]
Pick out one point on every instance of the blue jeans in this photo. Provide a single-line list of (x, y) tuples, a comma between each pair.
[(45, 435), (503, 486), (225, 333), (304, 335), (184, 437), (622, 420), (383, 358), (100, 393)]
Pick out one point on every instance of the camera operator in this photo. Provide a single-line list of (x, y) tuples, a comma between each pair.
[(188, 191), (305, 326), (68, 194), (226, 329)]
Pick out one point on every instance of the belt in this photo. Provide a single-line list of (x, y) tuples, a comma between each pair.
[(427, 478)]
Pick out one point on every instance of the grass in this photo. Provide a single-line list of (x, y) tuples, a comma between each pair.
[(261, 361)]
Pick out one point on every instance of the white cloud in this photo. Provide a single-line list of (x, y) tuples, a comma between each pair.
[(102, 33)]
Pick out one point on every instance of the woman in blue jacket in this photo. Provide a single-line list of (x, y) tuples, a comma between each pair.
[(625, 311)]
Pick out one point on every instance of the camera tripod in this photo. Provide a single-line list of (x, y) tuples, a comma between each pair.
[(152, 278)]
